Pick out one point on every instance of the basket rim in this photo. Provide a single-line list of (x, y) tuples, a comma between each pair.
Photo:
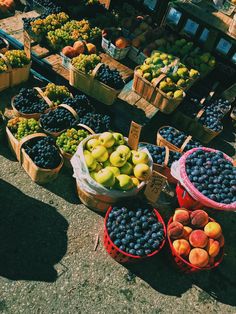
[(167, 126), (159, 218), (217, 263)]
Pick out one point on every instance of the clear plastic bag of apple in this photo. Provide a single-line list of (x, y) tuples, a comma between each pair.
[(105, 165)]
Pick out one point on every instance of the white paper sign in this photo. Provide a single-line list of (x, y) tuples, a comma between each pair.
[(174, 16), (191, 27), (223, 46)]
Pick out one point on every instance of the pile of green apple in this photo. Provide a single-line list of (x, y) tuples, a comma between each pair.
[(113, 164)]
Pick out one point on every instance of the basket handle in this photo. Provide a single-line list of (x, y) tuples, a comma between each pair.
[(72, 111), (200, 113), (41, 93), (87, 128), (24, 140), (187, 140), (167, 156), (159, 79), (95, 70)]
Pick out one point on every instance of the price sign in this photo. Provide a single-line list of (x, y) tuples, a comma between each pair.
[(27, 44), (174, 16), (223, 46), (234, 58), (204, 35), (191, 27), (151, 4), (155, 186), (134, 135)]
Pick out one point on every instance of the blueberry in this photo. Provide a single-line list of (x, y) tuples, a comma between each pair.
[(137, 246), (147, 251), (117, 242), (138, 213), (132, 252)]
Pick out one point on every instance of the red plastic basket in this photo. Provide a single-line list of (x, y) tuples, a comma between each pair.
[(185, 199), (183, 264), (121, 256)]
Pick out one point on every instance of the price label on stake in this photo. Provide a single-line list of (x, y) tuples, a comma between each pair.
[(155, 186), (134, 135), (27, 44), (191, 27)]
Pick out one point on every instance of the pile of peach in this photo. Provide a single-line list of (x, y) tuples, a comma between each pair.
[(195, 237)]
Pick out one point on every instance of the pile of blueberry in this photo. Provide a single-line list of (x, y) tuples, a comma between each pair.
[(158, 154), (177, 138), (213, 175), (135, 231), (211, 121), (43, 152), (81, 104), (110, 77), (97, 122), (57, 120), (28, 102), (219, 106)]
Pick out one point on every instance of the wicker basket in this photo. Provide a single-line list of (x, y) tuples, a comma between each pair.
[(93, 87), (113, 51), (20, 75), (5, 76), (153, 94), (161, 141), (37, 174), (12, 142), (35, 116)]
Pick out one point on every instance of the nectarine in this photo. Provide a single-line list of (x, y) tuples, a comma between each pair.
[(198, 257), (198, 238)]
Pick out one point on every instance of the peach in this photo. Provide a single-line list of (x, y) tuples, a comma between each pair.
[(187, 232), (213, 230), (175, 230), (182, 247), (213, 247), (198, 257), (221, 240), (198, 238), (181, 215), (199, 218)]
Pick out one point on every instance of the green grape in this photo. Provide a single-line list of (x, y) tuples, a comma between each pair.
[(17, 58), (86, 63), (56, 93), (70, 139), (21, 127)]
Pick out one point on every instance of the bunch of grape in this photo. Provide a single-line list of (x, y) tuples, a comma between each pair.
[(82, 25), (86, 63), (58, 39), (17, 58), (27, 22), (211, 121), (28, 101), (21, 127), (57, 120), (158, 154), (43, 152), (218, 106), (177, 138), (97, 122), (110, 77), (3, 66), (69, 140), (80, 104), (56, 93)]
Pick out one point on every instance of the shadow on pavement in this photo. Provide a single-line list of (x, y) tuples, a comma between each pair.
[(33, 236), (220, 284)]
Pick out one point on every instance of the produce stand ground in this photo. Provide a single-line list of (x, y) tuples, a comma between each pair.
[(48, 263)]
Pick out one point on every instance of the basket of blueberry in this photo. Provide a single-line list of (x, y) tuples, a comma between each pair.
[(162, 159), (133, 233), (40, 158), (207, 178), (175, 140)]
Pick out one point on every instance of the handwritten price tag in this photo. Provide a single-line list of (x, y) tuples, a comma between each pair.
[(151, 4), (174, 16), (223, 46), (134, 135), (155, 186), (27, 44), (191, 27)]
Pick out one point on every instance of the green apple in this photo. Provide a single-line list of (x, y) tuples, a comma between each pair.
[(140, 158), (142, 171), (119, 139), (125, 150), (107, 139), (135, 181), (126, 169), (105, 177), (115, 170), (124, 182), (91, 144), (89, 160), (117, 159), (100, 153)]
